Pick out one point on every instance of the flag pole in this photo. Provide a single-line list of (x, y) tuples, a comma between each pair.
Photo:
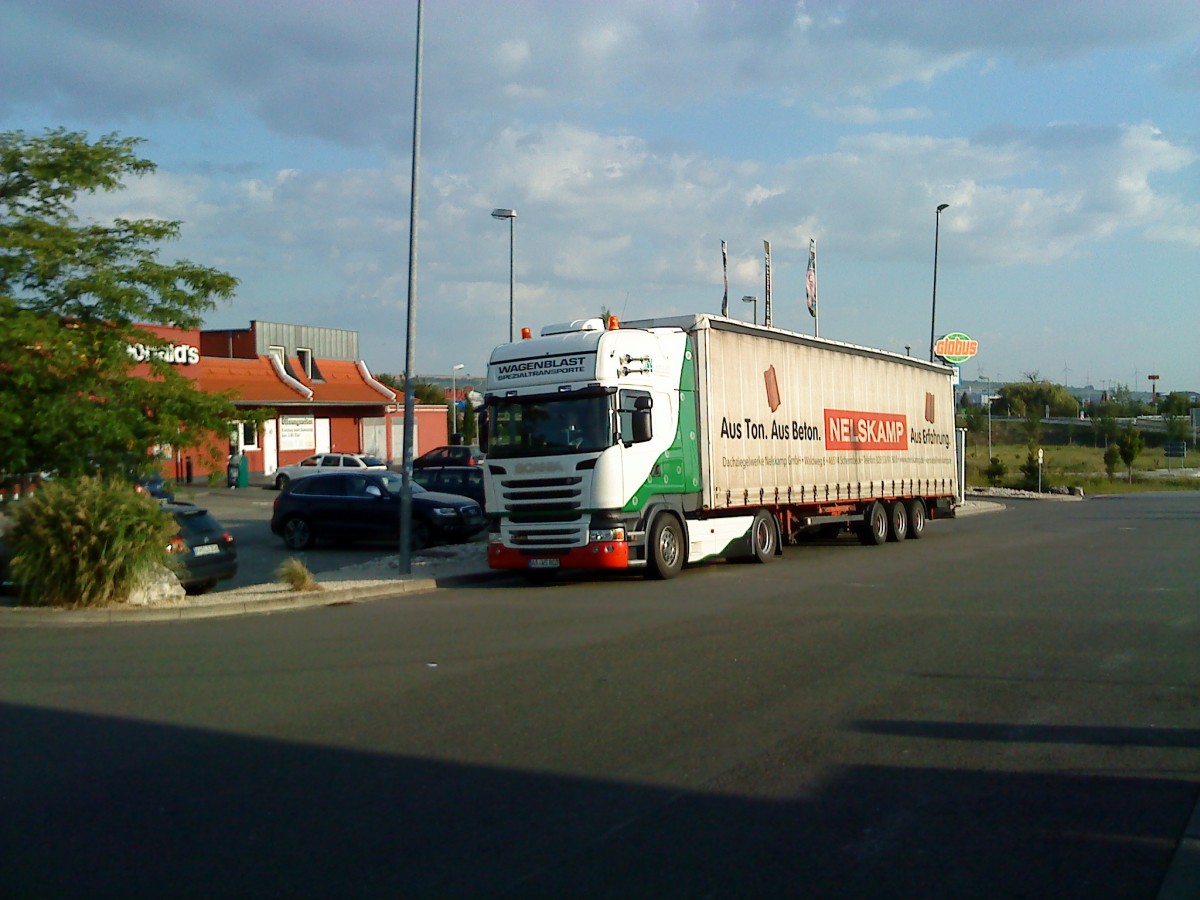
[(810, 286), (767, 285)]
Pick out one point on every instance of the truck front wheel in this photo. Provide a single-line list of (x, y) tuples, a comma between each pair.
[(764, 538), (665, 548)]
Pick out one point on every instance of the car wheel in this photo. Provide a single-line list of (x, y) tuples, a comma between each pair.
[(421, 537), (297, 533), (666, 548), (281, 482), (200, 587)]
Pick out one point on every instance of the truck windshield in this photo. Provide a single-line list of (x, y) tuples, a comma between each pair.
[(549, 426)]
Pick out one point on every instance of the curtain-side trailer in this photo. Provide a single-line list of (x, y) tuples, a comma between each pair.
[(655, 443)]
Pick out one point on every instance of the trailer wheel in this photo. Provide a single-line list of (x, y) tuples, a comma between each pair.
[(916, 518), (873, 529), (764, 537), (666, 548), (897, 521)]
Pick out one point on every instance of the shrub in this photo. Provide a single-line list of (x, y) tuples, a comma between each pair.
[(85, 542), (293, 573), (1112, 455), (995, 472)]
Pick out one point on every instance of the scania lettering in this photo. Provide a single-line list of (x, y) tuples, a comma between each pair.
[(653, 444)]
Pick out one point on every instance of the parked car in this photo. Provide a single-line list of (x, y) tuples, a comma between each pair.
[(157, 487), (459, 455), (365, 506), (466, 481), (203, 552), (320, 463)]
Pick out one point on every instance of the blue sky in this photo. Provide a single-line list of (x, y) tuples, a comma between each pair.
[(633, 137)]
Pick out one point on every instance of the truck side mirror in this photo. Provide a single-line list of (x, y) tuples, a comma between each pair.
[(643, 429), (484, 431)]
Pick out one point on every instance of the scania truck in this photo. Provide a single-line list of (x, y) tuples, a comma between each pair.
[(657, 443)]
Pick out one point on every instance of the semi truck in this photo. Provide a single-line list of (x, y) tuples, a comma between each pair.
[(657, 443)]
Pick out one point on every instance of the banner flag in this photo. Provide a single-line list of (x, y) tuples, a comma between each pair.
[(767, 286), (810, 280), (725, 274)]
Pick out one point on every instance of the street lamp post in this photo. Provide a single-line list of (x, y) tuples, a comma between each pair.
[(454, 396), (752, 298), (933, 315), (511, 215)]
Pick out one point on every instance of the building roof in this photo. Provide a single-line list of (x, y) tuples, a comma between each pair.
[(341, 382), (260, 381)]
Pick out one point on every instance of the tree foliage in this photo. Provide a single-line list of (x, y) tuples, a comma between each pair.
[(72, 294), (1130, 447), (425, 392), (1031, 398)]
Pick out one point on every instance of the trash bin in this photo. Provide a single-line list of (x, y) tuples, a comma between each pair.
[(243, 475)]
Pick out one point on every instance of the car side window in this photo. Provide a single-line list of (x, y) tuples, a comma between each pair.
[(332, 460), (475, 477), (356, 486)]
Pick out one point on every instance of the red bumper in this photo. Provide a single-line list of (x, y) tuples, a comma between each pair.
[(604, 555)]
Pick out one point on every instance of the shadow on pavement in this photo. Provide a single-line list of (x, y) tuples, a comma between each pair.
[(104, 807)]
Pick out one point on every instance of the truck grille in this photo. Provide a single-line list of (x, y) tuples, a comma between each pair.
[(543, 513)]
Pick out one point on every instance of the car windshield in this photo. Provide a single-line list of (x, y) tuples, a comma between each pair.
[(550, 426)]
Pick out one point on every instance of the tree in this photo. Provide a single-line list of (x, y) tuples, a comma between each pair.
[(1130, 446), (1111, 457), (423, 391), (973, 418), (1032, 397), (72, 295)]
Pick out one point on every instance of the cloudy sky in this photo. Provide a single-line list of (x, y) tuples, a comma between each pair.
[(633, 136)]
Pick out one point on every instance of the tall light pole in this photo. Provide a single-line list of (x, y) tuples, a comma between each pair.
[(752, 298), (933, 316), (454, 397), (511, 215), (404, 556)]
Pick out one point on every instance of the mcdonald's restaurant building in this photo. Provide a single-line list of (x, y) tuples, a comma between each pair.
[(323, 397)]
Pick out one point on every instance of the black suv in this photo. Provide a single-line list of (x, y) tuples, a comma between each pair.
[(455, 455), (466, 481), (365, 506)]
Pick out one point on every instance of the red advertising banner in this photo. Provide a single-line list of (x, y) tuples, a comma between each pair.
[(854, 430)]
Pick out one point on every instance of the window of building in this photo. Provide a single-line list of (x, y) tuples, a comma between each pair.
[(306, 361), (247, 434)]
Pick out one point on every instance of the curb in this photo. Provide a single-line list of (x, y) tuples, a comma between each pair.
[(31, 617)]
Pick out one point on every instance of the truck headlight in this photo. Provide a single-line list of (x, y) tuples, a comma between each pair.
[(606, 534)]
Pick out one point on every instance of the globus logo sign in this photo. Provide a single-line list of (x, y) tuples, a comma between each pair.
[(956, 347)]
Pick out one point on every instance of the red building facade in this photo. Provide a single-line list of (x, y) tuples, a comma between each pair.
[(322, 395)]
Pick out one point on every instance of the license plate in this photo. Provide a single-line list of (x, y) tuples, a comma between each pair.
[(543, 564), (206, 550)]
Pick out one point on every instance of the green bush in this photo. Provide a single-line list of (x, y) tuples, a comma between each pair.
[(85, 542)]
